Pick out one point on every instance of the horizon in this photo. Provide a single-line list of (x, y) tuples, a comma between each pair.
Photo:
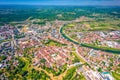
[(60, 5), (63, 2)]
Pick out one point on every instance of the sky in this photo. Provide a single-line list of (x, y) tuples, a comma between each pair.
[(63, 2)]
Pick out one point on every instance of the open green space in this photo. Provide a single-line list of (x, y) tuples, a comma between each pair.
[(51, 42), (56, 72), (73, 75), (116, 75), (70, 73)]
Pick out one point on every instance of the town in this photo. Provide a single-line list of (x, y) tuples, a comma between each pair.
[(60, 49)]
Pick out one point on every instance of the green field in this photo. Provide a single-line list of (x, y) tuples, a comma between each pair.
[(116, 75), (51, 42)]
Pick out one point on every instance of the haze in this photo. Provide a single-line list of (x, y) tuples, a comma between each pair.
[(63, 2)]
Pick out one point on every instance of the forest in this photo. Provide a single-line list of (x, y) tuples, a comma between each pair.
[(13, 13)]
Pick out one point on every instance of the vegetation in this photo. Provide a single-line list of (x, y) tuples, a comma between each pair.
[(50, 13), (1, 41), (22, 35), (99, 19), (78, 77), (70, 73), (73, 75), (43, 60), (34, 74), (51, 42), (24, 71), (40, 22), (108, 49), (116, 75), (56, 72), (65, 36)]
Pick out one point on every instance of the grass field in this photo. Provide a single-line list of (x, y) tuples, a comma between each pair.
[(116, 75), (51, 42)]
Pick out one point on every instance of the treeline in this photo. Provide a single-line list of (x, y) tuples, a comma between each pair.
[(66, 37), (50, 12), (107, 49)]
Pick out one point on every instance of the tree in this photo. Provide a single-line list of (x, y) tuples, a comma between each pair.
[(24, 73), (4, 57), (43, 60)]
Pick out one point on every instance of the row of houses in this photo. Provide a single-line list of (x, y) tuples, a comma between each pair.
[(54, 56)]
